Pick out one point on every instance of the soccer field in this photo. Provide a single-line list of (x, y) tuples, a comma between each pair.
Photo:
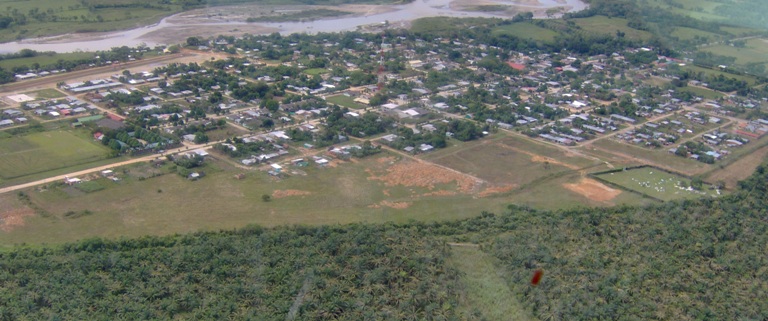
[(40, 152)]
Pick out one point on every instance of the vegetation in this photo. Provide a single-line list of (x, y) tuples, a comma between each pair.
[(695, 259), (39, 152)]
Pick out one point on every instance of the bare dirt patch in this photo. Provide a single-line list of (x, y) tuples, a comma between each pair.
[(593, 190), (491, 190), (11, 219), (395, 205), (419, 174), (289, 192)]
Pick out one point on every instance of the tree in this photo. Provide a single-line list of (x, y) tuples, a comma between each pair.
[(201, 138), (266, 197), (193, 41)]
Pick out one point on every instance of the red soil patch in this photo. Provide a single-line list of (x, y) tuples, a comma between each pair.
[(593, 190), (9, 220), (418, 174), (289, 192), (496, 190)]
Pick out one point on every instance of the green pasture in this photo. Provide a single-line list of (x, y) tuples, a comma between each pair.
[(712, 72), (606, 25), (701, 92), (526, 30), (140, 204), (739, 31), (345, 101), (43, 59), (702, 10), (39, 152), (685, 33), (656, 183), (755, 51), (315, 71)]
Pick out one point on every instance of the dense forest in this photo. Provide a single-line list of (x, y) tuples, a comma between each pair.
[(688, 260)]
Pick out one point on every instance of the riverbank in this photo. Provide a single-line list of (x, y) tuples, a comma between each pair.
[(232, 20)]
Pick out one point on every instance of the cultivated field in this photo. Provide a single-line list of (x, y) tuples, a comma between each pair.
[(656, 183), (40, 152)]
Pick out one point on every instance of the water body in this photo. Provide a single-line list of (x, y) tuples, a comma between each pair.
[(398, 14)]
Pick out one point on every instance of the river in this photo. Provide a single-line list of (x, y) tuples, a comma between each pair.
[(143, 35)]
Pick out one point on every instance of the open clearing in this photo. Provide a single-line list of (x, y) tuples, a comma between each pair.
[(606, 25), (345, 101), (39, 152), (593, 190), (656, 183), (754, 51), (659, 158), (526, 30), (380, 188), (486, 293), (740, 169)]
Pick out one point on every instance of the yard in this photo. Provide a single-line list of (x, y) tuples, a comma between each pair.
[(345, 101), (656, 183), (40, 152)]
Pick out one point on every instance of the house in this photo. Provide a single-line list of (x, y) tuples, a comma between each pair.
[(6, 122)]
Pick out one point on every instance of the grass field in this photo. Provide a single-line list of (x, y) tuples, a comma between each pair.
[(315, 71), (44, 60), (345, 101), (711, 72), (606, 25), (755, 51), (685, 33), (701, 92), (351, 192), (739, 31), (487, 295), (48, 93), (660, 157), (656, 183), (526, 30), (46, 151)]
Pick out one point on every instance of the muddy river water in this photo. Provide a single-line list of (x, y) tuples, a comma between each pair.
[(395, 14)]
